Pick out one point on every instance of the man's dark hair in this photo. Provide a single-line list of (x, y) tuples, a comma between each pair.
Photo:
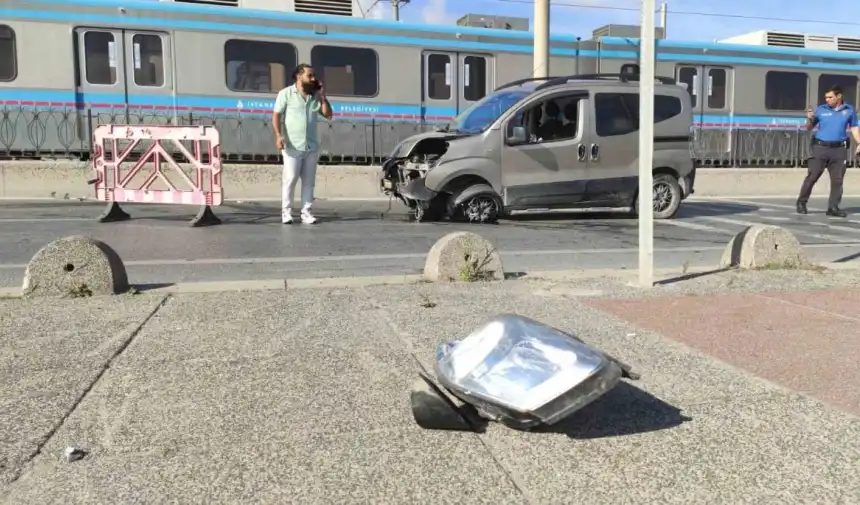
[(300, 70), (836, 90)]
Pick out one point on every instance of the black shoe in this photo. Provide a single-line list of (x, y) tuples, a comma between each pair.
[(801, 208), (836, 212)]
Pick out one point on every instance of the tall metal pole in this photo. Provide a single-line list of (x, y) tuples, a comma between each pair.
[(395, 6), (541, 42), (646, 145), (664, 17)]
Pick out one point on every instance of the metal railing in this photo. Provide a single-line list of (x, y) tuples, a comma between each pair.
[(36, 133)]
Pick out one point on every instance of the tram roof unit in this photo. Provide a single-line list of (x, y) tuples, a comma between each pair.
[(802, 40), (224, 9), (722, 51)]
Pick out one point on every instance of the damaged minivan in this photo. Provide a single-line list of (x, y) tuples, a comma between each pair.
[(546, 144)]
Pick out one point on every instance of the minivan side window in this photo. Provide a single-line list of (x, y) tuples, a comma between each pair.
[(550, 120), (618, 113)]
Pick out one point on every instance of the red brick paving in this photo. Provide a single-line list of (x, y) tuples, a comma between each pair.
[(806, 341)]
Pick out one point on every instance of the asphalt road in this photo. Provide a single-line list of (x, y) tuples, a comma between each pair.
[(366, 238)]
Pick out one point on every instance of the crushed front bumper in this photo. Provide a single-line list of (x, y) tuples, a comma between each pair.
[(394, 183)]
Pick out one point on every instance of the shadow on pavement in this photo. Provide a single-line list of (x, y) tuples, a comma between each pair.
[(626, 410), (687, 277), (846, 259), (149, 287)]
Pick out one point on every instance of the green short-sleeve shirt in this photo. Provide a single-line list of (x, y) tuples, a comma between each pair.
[(300, 117)]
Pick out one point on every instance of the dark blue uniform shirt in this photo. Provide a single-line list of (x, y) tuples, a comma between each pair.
[(832, 123)]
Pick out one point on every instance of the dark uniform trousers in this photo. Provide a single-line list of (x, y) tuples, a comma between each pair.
[(833, 157)]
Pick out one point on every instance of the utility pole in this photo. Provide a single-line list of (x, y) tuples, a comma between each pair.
[(395, 8), (541, 39), (646, 145), (664, 16)]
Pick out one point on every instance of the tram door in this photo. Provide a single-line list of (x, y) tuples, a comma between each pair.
[(711, 93), (123, 76), (452, 82)]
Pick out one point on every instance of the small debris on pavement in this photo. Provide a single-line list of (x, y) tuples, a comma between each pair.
[(74, 454)]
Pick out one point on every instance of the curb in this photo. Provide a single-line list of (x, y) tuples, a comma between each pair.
[(399, 280)]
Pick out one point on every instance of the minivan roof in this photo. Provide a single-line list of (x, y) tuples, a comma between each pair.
[(533, 83)]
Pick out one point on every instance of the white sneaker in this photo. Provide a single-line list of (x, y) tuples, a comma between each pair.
[(307, 217), (287, 217)]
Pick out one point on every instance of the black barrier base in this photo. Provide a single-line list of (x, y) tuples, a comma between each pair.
[(113, 213), (205, 218)]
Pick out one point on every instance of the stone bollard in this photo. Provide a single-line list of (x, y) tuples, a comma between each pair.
[(463, 256), (75, 265), (761, 246)]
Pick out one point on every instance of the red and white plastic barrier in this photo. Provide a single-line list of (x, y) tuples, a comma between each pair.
[(115, 174)]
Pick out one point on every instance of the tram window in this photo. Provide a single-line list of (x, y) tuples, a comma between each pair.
[(848, 83), (100, 57), (8, 58), (785, 91), (347, 71), (439, 77), (148, 60), (474, 78), (717, 82), (253, 66)]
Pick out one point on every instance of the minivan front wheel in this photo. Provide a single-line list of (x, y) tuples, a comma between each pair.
[(484, 207), (666, 195)]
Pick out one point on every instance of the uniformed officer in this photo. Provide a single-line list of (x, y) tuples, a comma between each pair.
[(829, 148)]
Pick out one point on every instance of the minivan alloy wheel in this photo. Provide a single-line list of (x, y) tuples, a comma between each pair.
[(666, 196), (481, 209), (662, 196)]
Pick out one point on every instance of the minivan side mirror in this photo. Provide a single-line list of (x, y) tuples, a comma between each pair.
[(518, 135)]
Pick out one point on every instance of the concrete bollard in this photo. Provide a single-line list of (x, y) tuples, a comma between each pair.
[(76, 266), (761, 246), (463, 256)]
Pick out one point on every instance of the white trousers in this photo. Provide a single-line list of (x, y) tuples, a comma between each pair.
[(298, 165)]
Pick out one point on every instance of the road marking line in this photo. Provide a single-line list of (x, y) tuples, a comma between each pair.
[(694, 226), (46, 220), (757, 197), (383, 257), (763, 206), (794, 220), (378, 257), (834, 227), (832, 238), (793, 208)]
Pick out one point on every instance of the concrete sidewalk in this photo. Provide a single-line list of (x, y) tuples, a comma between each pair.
[(301, 396), (44, 179)]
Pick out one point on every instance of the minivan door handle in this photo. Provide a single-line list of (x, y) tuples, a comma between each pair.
[(595, 151), (580, 150)]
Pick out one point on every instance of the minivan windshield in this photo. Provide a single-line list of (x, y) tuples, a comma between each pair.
[(484, 112)]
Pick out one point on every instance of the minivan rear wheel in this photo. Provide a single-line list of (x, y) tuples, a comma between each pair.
[(666, 195)]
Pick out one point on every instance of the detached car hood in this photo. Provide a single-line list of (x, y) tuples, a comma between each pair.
[(404, 148)]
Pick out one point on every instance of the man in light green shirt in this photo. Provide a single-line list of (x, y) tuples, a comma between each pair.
[(294, 120)]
